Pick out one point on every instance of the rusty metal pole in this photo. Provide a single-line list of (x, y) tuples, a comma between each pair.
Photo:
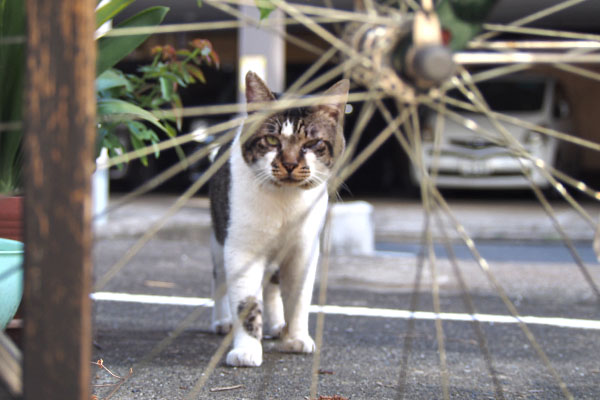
[(59, 122)]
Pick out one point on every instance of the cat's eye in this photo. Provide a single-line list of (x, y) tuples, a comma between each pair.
[(313, 144), (312, 131), (272, 140)]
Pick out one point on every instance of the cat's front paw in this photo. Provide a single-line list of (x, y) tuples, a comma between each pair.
[(222, 326), (302, 344), (247, 356)]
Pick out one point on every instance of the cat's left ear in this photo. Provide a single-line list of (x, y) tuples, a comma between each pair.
[(335, 107), (256, 89)]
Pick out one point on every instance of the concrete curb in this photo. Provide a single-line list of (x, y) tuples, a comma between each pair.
[(393, 220)]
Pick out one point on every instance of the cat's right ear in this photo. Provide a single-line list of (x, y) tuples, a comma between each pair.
[(256, 89)]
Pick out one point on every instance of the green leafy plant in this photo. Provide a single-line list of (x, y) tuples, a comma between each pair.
[(265, 7), (12, 65), (123, 99), (128, 99)]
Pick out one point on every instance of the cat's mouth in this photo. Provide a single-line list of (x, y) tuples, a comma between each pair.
[(298, 177), (296, 183), (291, 181)]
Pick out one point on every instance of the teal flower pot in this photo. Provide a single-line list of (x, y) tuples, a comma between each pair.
[(11, 279)]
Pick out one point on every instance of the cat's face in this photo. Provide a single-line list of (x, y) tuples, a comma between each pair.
[(296, 147)]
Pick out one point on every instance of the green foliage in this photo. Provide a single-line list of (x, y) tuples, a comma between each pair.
[(463, 19), (474, 11), (122, 99), (109, 10), (266, 7), (112, 49), (129, 99), (12, 61)]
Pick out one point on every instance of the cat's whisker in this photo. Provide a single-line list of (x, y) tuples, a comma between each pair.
[(340, 188), (320, 175), (262, 177), (315, 179)]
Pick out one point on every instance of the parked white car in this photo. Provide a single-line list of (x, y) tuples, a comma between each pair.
[(469, 160)]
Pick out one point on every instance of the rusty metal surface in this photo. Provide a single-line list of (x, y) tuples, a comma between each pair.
[(58, 142)]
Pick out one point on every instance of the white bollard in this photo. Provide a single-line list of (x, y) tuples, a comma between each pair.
[(100, 183), (352, 230)]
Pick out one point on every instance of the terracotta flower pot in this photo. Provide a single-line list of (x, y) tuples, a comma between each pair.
[(11, 218)]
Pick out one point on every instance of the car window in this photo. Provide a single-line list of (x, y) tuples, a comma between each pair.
[(525, 95)]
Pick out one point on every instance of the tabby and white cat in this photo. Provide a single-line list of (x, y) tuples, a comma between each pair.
[(268, 205)]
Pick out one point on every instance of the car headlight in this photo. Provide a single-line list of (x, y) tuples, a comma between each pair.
[(533, 138)]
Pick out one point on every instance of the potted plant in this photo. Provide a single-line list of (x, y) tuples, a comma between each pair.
[(123, 99), (12, 55)]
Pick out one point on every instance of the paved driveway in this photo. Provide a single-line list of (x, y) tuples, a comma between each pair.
[(373, 346)]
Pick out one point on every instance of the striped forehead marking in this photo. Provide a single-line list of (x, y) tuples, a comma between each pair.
[(287, 129)]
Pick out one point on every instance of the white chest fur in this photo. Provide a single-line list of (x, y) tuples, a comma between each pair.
[(264, 213), (263, 220)]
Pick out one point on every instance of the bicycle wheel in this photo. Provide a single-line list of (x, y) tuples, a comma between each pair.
[(443, 108)]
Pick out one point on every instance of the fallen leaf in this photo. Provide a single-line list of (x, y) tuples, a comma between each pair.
[(160, 284), (225, 388)]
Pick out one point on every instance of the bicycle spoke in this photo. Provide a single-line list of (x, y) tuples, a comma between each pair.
[(435, 289), (273, 106), (534, 17), (480, 103), (403, 121), (206, 26), (370, 149), (473, 94), (541, 32), (164, 176), (535, 45), (303, 44), (323, 33), (322, 301), (577, 184), (483, 264), (471, 309), (149, 234), (480, 58), (586, 73)]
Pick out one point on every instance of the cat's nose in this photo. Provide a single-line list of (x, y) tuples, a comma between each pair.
[(289, 166)]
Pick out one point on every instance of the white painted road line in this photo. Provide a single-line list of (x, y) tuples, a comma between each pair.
[(152, 299), (362, 311)]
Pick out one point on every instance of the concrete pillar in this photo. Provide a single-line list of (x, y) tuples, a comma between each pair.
[(261, 50)]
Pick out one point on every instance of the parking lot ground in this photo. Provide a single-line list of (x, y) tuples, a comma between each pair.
[(373, 346)]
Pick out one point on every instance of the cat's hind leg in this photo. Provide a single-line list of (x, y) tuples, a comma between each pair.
[(221, 314), (274, 316), (297, 281)]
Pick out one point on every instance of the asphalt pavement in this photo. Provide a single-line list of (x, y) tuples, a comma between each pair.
[(154, 315)]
